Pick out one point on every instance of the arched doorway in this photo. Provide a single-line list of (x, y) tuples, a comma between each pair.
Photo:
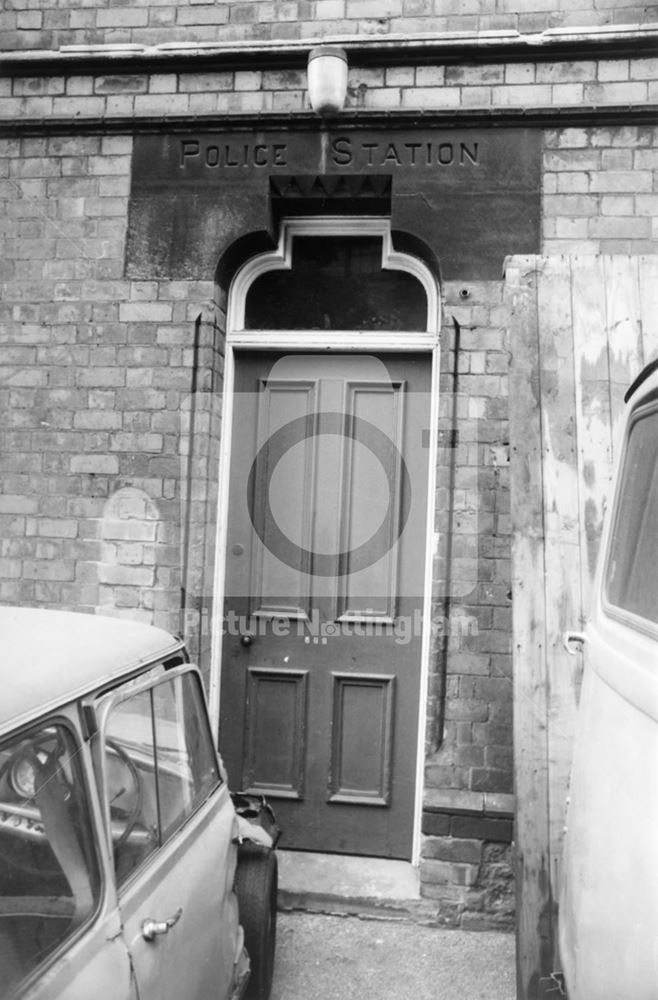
[(325, 533)]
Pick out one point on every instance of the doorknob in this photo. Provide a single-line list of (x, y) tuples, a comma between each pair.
[(246, 638), (152, 928)]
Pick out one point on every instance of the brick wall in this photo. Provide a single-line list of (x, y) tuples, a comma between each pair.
[(473, 565), (94, 391), (467, 867), (100, 365), (95, 458), (466, 853), (23, 27), (601, 190), (471, 86)]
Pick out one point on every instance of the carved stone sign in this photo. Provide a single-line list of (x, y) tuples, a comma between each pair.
[(196, 156), (472, 195)]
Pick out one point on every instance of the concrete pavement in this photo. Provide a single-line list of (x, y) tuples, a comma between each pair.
[(322, 957), (355, 927)]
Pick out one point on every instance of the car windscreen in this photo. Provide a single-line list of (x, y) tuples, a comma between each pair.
[(49, 875)]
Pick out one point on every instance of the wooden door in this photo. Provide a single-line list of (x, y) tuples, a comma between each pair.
[(323, 612)]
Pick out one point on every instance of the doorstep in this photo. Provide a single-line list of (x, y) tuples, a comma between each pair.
[(351, 886)]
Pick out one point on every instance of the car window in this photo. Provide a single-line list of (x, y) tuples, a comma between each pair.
[(160, 766), (631, 582), (49, 876)]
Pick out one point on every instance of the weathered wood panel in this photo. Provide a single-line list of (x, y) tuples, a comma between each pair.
[(624, 330), (580, 330), (591, 368), (561, 503), (534, 923), (649, 307)]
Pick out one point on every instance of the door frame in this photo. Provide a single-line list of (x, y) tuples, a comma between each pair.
[(344, 342)]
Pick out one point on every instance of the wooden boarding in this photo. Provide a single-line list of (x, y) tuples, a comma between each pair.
[(529, 639), (580, 330)]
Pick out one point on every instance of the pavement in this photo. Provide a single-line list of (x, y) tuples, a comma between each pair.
[(358, 928), (322, 957)]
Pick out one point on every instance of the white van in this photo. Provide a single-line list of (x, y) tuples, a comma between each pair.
[(608, 916)]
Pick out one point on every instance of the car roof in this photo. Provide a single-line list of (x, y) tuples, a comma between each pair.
[(50, 658)]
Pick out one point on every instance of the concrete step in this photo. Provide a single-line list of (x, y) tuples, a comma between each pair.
[(348, 885)]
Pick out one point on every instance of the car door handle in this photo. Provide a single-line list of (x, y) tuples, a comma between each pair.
[(573, 642), (152, 928)]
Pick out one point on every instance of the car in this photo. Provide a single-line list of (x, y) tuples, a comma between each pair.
[(128, 871), (608, 907)]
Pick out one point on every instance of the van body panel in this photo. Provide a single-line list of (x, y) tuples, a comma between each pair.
[(608, 912), (609, 906)]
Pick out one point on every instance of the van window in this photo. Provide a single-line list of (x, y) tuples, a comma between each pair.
[(632, 568)]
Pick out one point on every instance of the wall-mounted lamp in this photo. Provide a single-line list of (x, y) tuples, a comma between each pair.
[(327, 79)]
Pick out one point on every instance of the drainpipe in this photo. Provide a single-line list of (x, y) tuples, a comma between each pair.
[(447, 599), (189, 473)]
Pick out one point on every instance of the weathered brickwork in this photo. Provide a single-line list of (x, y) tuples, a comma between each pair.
[(110, 390), (471, 86), (96, 393), (470, 880), (467, 867), (601, 190), (471, 653), (51, 26), (469, 750)]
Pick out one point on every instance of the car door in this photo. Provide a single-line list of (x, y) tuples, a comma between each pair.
[(60, 929), (172, 825), (609, 898)]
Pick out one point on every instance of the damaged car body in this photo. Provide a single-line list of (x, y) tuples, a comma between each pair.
[(126, 870)]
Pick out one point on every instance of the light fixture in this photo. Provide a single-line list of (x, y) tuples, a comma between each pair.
[(327, 79)]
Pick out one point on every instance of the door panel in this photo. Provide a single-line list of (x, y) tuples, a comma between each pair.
[(361, 739), (275, 749), (326, 560), (173, 825), (191, 877), (278, 587), (371, 493)]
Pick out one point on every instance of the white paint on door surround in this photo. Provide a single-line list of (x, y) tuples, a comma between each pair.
[(356, 341)]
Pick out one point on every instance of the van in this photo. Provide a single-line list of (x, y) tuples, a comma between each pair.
[(608, 911)]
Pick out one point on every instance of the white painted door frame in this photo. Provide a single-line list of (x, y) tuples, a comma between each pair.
[(343, 341)]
